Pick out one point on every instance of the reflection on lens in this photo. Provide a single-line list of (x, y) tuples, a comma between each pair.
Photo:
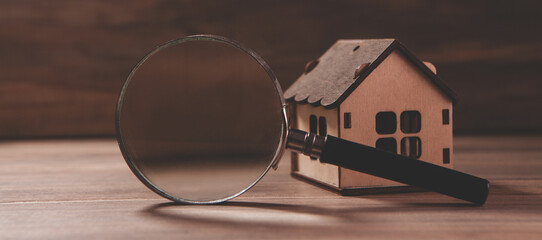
[(200, 120)]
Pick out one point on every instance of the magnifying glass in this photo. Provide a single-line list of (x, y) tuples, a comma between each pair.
[(201, 120)]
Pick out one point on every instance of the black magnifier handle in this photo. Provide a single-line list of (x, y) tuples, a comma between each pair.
[(391, 166)]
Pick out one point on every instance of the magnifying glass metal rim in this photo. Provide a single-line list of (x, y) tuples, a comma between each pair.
[(203, 37)]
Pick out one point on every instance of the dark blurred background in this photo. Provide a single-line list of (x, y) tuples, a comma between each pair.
[(62, 63)]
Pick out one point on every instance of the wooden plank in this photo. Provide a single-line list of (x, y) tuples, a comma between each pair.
[(82, 189), (62, 63)]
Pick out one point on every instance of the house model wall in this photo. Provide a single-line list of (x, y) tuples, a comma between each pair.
[(374, 92)]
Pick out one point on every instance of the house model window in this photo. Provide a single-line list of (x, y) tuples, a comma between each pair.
[(411, 121), (386, 122), (347, 120), (446, 156), (445, 116), (411, 147), (323, 126), (317, 125), (313, 124), (387, 144)]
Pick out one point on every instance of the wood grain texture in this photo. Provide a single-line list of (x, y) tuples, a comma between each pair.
[(83, 190), (62, 62)]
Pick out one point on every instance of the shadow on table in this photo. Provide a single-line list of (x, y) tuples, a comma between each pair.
[(254, 214), (320, 213), (238, 213)]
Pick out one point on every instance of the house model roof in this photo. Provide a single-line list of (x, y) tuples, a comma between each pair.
[(330, 79)]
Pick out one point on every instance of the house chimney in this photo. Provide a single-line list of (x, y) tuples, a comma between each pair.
[(431, 66)]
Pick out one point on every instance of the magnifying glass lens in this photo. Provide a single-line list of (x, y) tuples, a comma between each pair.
[(200, 120)]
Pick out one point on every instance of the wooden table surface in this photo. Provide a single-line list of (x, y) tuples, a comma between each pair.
[(80, 189)]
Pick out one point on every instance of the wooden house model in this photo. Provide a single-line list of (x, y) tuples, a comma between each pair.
[(374, 92)]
